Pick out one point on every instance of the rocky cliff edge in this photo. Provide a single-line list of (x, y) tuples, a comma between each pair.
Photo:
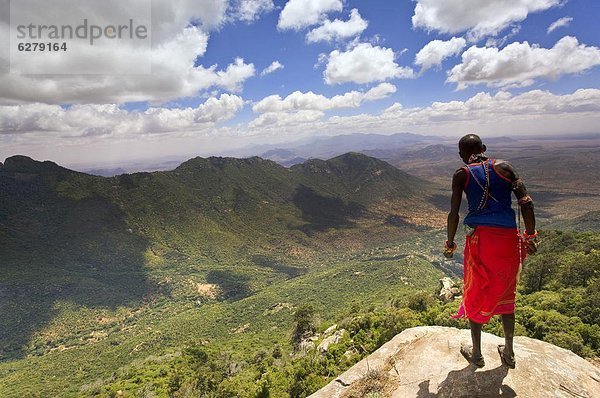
[(425, 362)]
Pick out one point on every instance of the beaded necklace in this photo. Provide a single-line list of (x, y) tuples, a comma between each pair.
[(486, 188)]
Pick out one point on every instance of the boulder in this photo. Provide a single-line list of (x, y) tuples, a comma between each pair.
[(448, 290), (308, 343), (426, 362), (333, 339), (330, 330)]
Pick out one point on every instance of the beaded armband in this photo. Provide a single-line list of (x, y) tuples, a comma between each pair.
[(525, 200)]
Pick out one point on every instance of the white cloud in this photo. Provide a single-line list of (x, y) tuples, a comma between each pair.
[(298, 101), (479, 18), (520, 64), (235, 74), (298, 107), (288, 119), (381, 91), (250, 10), (298, 14), (169, 17), (534, 112), (173, 76), (103, 133), (436, 51), (501, 41), (112, 120), (176, 47), (338, 29), (487, 108), (559, 23), (275, 65), (364, 63)]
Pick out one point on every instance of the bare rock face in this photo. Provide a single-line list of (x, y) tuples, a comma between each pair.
[(425, 362)]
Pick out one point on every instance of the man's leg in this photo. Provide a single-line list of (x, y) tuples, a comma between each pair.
[(508, 324), (476, 338), (473, 354)]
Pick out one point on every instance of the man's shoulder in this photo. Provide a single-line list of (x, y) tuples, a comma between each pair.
[(460, 171), (505, 168), (503, 164)]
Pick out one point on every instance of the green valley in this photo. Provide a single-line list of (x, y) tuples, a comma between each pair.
[(194, 282), (98, 273)]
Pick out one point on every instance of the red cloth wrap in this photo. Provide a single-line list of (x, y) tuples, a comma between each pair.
[(491, 272)]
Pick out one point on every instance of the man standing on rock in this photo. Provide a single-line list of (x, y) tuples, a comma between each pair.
[(494, 248)]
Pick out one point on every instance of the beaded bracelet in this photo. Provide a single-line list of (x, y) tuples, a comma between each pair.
[(531, 237), (448, 250)]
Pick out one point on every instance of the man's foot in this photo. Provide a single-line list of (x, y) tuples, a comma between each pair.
[(507, 360), (467, 352)]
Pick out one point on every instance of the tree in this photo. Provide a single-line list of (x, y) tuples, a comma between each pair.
[(303, 324)]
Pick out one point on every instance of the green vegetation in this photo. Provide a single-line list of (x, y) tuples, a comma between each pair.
[(100, 275), (561, 290), (207, 280)]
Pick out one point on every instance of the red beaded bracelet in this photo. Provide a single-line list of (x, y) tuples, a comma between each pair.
[(448, 247), (528, 237)]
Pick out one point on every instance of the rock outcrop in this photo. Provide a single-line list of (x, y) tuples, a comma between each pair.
[(333, 339), (447, 290), (425, 362)]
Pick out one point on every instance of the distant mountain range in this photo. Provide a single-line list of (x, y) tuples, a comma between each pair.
[(382, 146)]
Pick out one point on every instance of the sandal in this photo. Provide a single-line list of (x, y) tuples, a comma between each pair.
[(506, 360), (467, 352)]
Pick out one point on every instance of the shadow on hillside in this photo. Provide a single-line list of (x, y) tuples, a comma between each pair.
[(277, 266), (468, 383), (234, 285), (324, 212), (59, 252), (442, 202)]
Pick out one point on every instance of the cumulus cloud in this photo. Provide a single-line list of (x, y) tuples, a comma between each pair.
[(436, 51), (299, 14), (275, 65), (287, 119), (559, 23), (250, 10), (381, 91), (169, 17), (299, 107), (535, 111), (519, 64), (175, 73), (364, 63), (338, 29), (235, 74), (113, 120), (299, 101), (479, 18)]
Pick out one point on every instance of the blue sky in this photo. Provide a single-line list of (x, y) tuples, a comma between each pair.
[(261, 43), (505, 74)]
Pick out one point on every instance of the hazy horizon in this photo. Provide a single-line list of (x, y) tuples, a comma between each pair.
[(228, 74)]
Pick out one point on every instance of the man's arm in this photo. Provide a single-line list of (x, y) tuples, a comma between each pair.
[(523, 198), (458, 184)]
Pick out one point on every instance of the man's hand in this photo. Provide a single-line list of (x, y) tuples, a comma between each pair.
[(449, 249), (531, 242), (531, 246)]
